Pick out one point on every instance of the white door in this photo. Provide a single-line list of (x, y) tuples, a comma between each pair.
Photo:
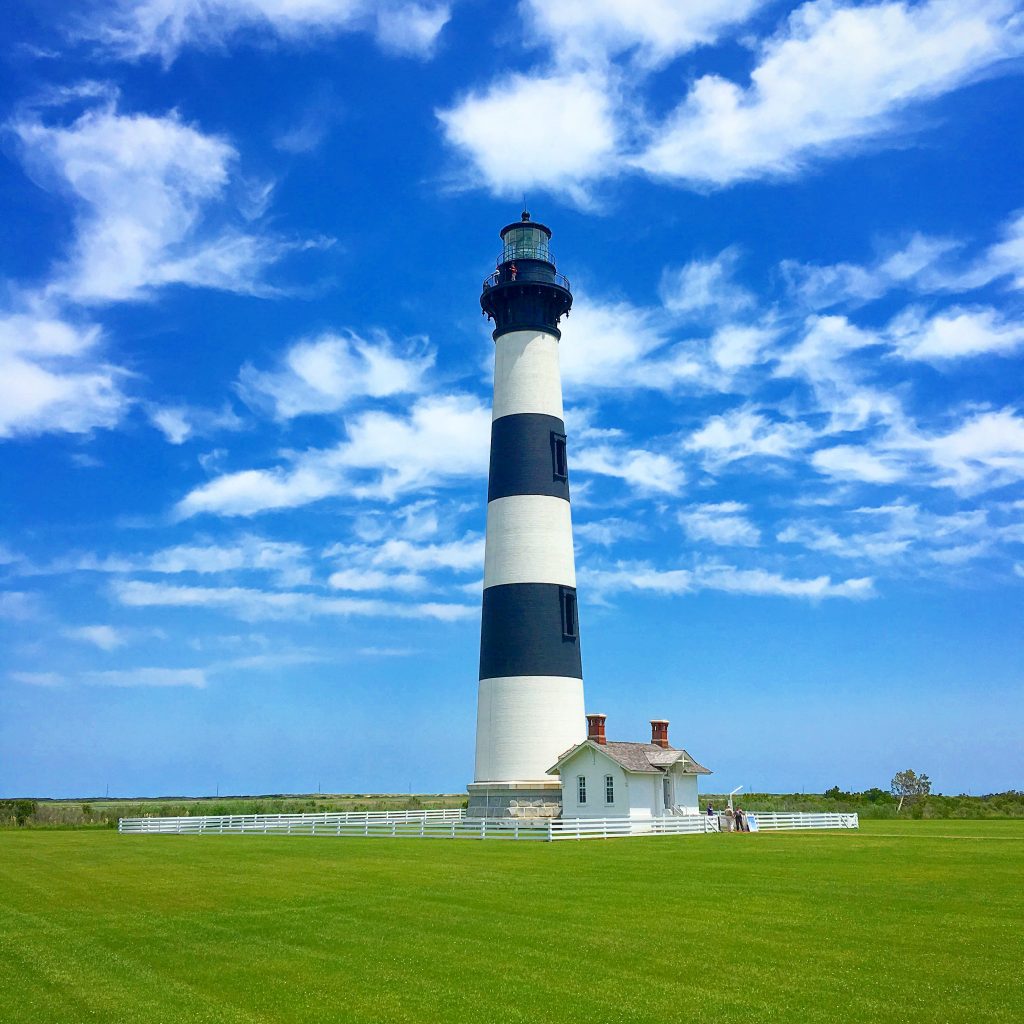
[(666, 790)]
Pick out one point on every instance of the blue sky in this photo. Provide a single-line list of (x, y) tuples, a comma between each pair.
[(244, 383)]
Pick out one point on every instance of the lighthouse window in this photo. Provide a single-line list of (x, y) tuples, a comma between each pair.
[(558, 456), (570, 626), (581, 789), (609, 789), (525, 243)]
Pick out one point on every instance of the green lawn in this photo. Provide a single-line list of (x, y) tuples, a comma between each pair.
[(902, 921)]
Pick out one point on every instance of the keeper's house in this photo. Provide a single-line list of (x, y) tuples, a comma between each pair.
[(618, 780)]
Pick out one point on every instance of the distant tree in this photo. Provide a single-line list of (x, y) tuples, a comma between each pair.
[(909, 785), (835, 793)]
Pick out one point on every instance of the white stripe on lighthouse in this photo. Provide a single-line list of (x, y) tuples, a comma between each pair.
[(524, 723), (529, 540), (526, 374)]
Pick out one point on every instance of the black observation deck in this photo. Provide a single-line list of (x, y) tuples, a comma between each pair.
[(526, 292)]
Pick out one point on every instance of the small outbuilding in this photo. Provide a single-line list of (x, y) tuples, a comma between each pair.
[(602, 779)]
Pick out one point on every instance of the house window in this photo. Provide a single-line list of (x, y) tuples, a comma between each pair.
[(581, 789), (609, 789), (558, 456), (570, 624)]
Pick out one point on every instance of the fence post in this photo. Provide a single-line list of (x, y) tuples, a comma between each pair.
[(551, 829)]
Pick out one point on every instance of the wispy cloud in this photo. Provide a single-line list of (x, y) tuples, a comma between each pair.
[(147, 677), (327, 372), (106, 638), (53, 378), (443, 439), (641, 576), (163, 28), (805, 101), (144, 188), (722, 523), (259, 605)]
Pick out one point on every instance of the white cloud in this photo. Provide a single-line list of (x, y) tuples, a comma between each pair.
[(760, 582), (1001, 259), (849, 283), (821, 356), (875, 546), (465, 555), (569, 120), (607, 532), (192, 677), (106, 638), (163, 28), (444, 438), (886, 533), (985, 451), (367, 567), (288, 561), (735, 348), (645, 471), (411, 27), (705, 288), (359, 580), (37, 678), (51, 379), (621, 346), (326, 373), (589, 31), (924, 264), (143, 188), (258, 605), (180, 423), (808, 99), (850, 462), (721, 523), (746, 433), (19, 605), (954, 333), (605, 345), (640, 577), (172, 422)]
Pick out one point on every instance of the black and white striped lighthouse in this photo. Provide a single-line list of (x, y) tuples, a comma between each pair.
[(530, 707)]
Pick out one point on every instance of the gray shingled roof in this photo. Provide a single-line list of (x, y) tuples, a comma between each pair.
[(645, 757)]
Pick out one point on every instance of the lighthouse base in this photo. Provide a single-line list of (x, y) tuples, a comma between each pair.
[(540, 799)]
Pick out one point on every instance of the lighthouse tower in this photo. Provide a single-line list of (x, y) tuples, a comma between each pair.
[(530, 705)]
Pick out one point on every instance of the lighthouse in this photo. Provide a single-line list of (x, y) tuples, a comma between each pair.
[(530, 699)]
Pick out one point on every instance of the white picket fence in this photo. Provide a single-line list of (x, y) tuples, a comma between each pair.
[(290, 824), (453, 824), (769, 821), (610, 828)]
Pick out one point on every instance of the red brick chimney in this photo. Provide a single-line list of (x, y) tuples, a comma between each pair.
[(595, 728), (659, 732)]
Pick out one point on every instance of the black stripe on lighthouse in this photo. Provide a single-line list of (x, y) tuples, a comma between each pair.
[(530, 629), (528, 457)]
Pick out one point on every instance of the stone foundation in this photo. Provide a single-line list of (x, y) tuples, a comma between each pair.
[(504, 800)]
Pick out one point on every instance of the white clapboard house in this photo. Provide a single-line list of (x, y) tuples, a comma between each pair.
[(602, 779)]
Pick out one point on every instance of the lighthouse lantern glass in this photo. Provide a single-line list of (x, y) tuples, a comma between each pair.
[(525, 242)]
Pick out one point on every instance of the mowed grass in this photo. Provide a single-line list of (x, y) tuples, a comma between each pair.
[(901, 921)]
